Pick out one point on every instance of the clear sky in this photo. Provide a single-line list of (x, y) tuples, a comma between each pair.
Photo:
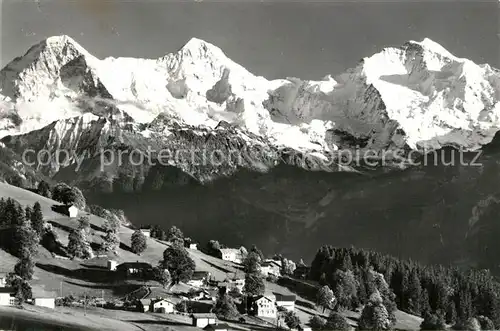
[(274, 39)]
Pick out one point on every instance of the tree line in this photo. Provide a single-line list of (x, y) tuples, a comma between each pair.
[(22, 231), (441, 295)]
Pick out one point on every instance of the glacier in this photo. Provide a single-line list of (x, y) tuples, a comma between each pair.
[(417, 96)]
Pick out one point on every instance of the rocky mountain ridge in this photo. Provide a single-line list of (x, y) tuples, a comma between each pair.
[(417, 95)]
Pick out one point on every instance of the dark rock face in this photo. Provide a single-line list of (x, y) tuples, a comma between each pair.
[(221, 91), (436, 214), (78, 76)]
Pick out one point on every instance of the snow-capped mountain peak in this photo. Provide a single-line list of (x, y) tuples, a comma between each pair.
[(198, 48), (418, 94)]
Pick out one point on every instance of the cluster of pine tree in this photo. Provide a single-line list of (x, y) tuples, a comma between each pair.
[(21, 228), (452, 294), (21, 233)]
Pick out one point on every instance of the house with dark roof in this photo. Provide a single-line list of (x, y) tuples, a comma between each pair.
[(217, 327), (285, 301), (202, 294), (270, 268), (143, 305), (202, 320), (68, 210), (301, 272), (137, 269), (236, 281), (231, 254), (199, 279)]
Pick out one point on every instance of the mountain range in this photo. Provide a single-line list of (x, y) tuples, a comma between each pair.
[(286, 186)]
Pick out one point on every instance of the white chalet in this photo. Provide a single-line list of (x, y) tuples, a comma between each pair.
[(264, 306), (162, 306), (231, 254)]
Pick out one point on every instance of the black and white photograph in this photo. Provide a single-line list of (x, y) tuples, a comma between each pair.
[(249, 165)]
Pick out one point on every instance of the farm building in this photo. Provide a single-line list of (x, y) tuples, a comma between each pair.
[(45, 302), (202, 320), (7, 296)]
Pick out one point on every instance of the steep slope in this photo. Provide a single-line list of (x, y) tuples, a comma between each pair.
[(418, 95), (101, 154), (451, 208)]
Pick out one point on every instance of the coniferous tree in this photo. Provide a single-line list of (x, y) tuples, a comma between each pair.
[(84, 223), (433, 322), (254, 285), (292, 320), (162, 276), (20, 286), (346, 263), (374, 315), (111, 242), (459, 294), (213, 248), (317, 323), (257, 251), (251, 264), (37, 221), (78, 245), (226, 309), (485, 323), (66, 194), (414, 293), (472, 324), (112, 223), (464, 306), (43, 189), (25, 241), (27, 212), (425, 307), (175, 234), (451, 312), (325, 297), (25, 268), (345, 288)]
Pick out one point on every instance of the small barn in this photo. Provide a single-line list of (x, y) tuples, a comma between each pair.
[(45, 302), (202, 320), (112, 264), (68, 210)]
